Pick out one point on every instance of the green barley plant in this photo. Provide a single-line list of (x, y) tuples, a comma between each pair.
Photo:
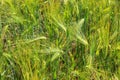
[(59, 40)]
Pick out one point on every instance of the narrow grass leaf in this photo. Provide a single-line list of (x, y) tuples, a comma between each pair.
[(82, 40), (4, 31), (7, 55), (114, 35), (36, 39), (80, 23), (55, 56), (80, 34), (51, 51), (61, 25)]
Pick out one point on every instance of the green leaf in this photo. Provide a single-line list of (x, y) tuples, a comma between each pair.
[(80, 34), (80, 23), (61, 25), (55, 56), (4, 31), (82, 40), (36, 39)]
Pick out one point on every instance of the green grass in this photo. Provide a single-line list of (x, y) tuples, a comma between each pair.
[(59, 40)]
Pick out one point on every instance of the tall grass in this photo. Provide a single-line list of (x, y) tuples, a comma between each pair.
[(59, 40)]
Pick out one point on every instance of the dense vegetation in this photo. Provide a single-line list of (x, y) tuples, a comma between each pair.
[(59, 40)]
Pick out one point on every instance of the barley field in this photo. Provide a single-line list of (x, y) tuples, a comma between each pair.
[(59, 39)]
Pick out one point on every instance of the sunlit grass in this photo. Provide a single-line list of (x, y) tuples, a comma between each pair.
[(59, 40)]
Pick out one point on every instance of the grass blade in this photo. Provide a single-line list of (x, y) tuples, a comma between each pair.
[(36, 39), (4, 30), (61, 25)]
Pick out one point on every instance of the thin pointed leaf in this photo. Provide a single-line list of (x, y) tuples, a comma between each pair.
[(82, 40), (80, 23), (4, 31), (61, 25), (55, 56), (80, 34), (36, 39)]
